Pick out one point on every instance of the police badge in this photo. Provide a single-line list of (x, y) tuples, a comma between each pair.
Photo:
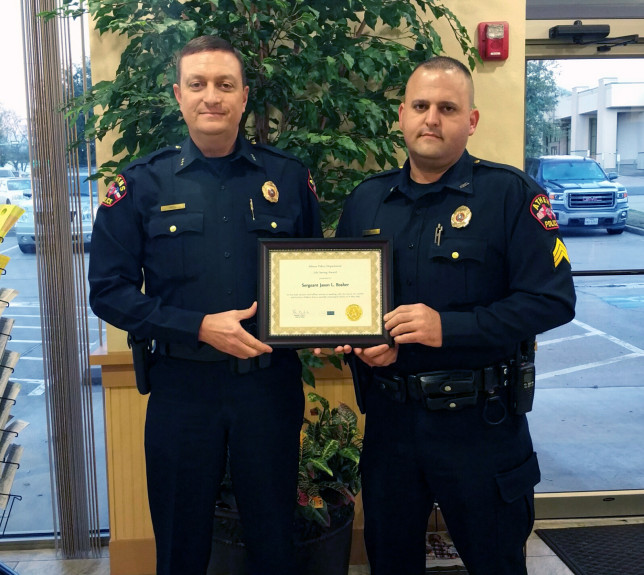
[(269, 191)]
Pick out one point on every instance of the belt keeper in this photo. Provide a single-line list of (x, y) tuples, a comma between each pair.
[(490, 379)]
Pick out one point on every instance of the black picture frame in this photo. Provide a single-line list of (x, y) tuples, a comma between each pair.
[(335, 256)]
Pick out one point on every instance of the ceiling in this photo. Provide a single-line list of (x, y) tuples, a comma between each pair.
[(589, 9)]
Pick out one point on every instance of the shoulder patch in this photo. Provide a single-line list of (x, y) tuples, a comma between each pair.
[(116, 192), (312, 185), (541, 209)]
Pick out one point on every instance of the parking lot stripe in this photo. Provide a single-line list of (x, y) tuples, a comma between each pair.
[(583, 366)]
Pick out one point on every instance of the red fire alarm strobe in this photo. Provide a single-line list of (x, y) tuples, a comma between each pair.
[(493, 40)]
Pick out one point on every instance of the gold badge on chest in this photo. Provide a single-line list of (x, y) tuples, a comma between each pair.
[(461, 217), (269, 190)]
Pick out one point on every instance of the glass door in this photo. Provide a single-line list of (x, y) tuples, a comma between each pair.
[(587, 151)]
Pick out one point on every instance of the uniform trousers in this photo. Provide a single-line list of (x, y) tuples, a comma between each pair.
[(481, 475), (197, 411)]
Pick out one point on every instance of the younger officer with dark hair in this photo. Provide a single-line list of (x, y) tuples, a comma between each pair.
[(479, 270), (186, 220)]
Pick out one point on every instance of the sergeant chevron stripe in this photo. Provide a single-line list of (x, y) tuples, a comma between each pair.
[(560, 252)]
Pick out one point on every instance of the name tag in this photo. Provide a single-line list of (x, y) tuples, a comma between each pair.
[(373, 232), (171, 207)]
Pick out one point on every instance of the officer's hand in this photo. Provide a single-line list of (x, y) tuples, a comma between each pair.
[(224, 332), (415, 323), (338, 349), (378, 355)]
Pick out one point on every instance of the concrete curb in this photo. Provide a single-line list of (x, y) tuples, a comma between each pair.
[(635, 230)]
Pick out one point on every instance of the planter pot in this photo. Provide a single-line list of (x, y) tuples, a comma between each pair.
[(325, 555)]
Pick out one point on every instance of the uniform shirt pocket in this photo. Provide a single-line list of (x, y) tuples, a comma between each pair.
[(174, 237), (459, 265), (267, 225)]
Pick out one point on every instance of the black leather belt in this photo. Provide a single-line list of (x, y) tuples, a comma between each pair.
[(207, 353), (449, 389)]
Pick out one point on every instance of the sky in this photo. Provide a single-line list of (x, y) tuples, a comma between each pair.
[(571, 73), (574, 73), (12, 87)]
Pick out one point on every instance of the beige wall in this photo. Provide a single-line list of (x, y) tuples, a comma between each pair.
[(500, 86)]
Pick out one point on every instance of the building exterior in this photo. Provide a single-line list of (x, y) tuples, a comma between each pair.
[(605, 123)]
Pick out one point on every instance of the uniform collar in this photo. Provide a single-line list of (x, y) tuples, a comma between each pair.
[(190, 153), (458, 177)]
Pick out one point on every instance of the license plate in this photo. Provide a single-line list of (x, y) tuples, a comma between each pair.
[(591, 221)]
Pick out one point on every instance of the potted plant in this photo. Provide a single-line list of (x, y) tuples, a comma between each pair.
[(329, 480)]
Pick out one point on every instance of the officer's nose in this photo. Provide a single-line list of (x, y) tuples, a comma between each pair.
[(211, 95), (432, 116)]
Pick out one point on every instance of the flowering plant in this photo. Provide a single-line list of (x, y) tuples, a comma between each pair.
[(329, 479)]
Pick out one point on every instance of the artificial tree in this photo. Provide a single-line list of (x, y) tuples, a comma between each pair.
[(325, 77)]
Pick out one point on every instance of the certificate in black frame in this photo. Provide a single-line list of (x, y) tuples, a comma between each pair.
[(357, 325)]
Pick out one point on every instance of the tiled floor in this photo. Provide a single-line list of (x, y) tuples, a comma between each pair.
[(541, 560)]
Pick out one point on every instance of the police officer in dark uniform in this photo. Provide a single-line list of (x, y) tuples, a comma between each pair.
[(184, 221), (479, 270)]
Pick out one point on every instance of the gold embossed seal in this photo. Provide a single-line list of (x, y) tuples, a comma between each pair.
[(461, 217), (354, 312), (269, 190)]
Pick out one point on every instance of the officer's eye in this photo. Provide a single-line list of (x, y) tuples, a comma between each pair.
[(195, 85)]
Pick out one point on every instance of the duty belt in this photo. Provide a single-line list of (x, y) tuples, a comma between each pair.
[(207, 353), (449, 389)]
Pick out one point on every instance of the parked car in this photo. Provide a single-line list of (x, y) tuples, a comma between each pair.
[(5, 174), (582, 195), (25, 226), (13, 190)]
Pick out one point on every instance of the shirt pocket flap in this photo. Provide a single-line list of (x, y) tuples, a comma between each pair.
[(460, 249), (519, 481), (270, 223), (174, 224)]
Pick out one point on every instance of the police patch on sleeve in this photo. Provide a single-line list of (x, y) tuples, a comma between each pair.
[(542, 211), (312, 185), (560, 252), (116, 192)]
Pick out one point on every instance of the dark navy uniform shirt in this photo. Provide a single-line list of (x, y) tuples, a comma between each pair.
[(187, 227), (501, 278)]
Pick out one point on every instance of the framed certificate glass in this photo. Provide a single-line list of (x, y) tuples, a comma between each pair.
[(324, 292)]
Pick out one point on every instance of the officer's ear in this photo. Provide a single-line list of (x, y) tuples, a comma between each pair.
[(177, 93), (474, 120)]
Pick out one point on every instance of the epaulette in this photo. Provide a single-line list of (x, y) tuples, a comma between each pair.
[(497, 166), (382, 174), (169, 150), (277, 151)]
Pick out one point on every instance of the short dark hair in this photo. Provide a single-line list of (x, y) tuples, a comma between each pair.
[(210, 44), (447, 63)]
